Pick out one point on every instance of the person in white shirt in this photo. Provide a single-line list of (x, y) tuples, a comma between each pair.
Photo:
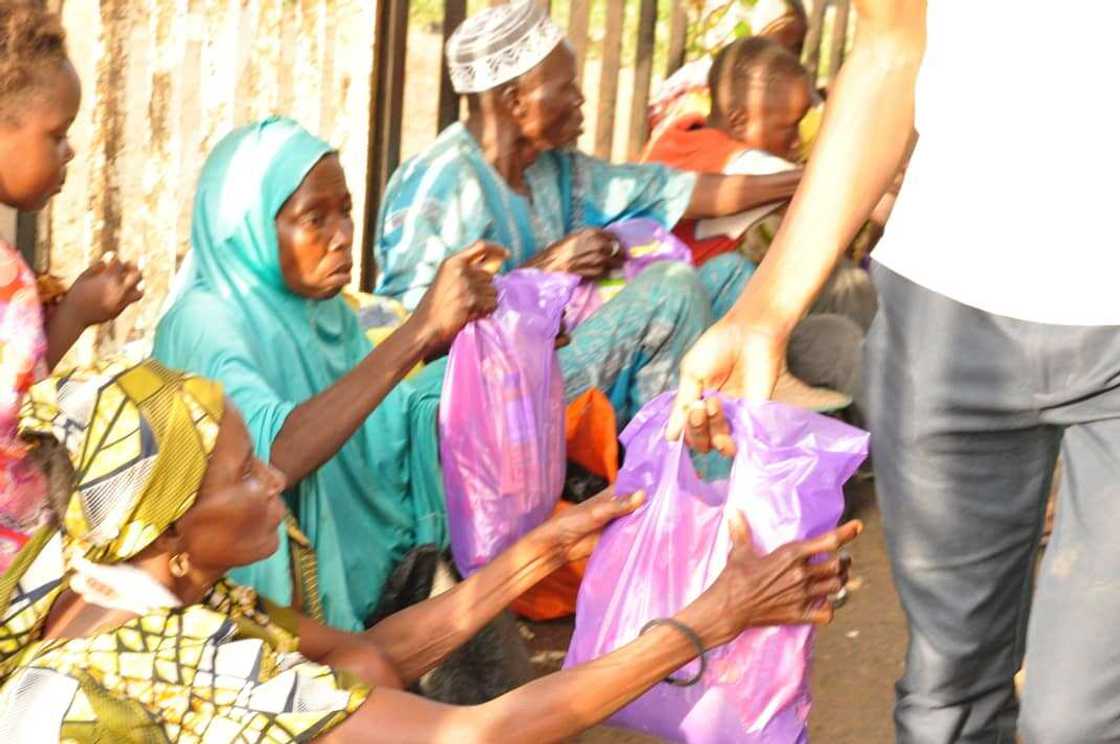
[(996, 346)]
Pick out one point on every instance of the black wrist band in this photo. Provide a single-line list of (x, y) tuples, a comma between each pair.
[(691, 635)]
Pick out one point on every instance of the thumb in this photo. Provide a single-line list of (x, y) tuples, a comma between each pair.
[(486, 256), (739, 529), (690, 390)]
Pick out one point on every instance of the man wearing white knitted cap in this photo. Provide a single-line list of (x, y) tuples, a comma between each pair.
[(510, 175)]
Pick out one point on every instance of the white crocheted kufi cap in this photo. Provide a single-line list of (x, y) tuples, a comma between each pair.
[(500, 44)]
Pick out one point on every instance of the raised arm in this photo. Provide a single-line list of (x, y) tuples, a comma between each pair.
[(868, 123), (316, 429)]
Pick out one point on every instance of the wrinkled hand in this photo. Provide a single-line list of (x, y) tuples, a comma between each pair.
[(575, 531), (463, 291), (590, 253), (732, 358), (790, 586), (103, 291)]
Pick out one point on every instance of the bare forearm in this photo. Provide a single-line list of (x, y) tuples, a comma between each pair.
[(719, 196), (550, 709), (593, 691), (417, 639), (316, 429), (63, 330), (867, 126)]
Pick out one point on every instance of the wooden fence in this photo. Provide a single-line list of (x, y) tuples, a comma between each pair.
[(391, 54), (162, 82), (164, 79)]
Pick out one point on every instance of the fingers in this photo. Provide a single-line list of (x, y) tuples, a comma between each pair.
[(825, 569), (719, 429), (739, 529), (697, 434), (130, 277), (831, 541), (596, 254), (483, 293), (616, 253), (604, 508), (607, 494), (821, 615), (823, 588), (706, 427), (845, 565), (485, 256), (628, 504), (688, 393)]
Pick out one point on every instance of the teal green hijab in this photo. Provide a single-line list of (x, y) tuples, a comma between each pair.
[(236, 321)]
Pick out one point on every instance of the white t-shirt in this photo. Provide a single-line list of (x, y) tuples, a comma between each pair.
[(1011, 202)]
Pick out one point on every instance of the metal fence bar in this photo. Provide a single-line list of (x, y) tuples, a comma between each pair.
[(386, 113), (27, 237), (678, 35), (454, 12), (643, 77), (608, 79), (578, 22), (813, 39), (839, 36)]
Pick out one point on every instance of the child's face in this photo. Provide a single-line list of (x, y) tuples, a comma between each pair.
[(34, 149), (772, 122)]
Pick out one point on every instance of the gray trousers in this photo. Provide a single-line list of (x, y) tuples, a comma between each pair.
[(968, 412)]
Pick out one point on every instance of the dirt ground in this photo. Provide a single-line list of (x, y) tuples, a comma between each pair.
[(858, 657)]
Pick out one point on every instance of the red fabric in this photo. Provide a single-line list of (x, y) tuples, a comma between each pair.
[(592, 438), (688, 143)]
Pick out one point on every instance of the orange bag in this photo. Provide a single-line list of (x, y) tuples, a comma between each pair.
[(592, 439)]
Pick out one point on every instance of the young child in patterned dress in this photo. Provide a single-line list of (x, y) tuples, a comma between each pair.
[(39, 98)]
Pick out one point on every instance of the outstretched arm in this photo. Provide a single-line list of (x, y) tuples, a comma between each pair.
[(422, 636), (786, 586), (867, 125), (719, 195)]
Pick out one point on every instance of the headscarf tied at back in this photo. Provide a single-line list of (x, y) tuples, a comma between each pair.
[(139, 440)]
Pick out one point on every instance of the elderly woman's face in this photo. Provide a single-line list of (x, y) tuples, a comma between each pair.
[(549, 102), (316, 233), (234, 519)]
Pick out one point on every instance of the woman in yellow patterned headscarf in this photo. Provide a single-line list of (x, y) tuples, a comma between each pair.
[(121, 625)]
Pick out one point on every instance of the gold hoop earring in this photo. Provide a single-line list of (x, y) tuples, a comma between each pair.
[(180, 565)]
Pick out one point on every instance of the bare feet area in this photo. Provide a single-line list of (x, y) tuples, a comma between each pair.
[(858, 657)]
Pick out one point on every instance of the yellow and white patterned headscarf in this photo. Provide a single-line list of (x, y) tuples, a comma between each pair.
[(139, 439)]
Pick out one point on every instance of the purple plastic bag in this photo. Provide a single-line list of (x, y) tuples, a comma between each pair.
[(645, 242), (501, 419), (786, 479)]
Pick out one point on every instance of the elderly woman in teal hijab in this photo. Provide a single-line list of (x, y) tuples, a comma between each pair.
[(260, 312)]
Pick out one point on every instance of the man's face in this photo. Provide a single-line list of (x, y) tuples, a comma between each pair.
[(549, 102)]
